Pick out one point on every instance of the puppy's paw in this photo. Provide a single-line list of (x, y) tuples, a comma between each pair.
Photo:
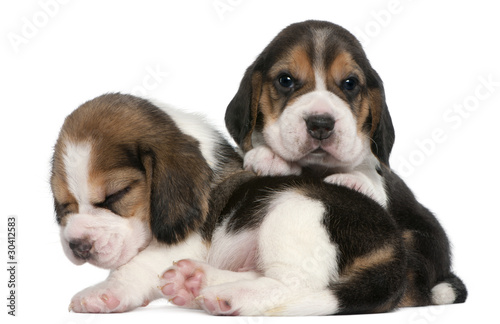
[(103, 298), (263, 161), (182, 283), (356, 182), (217, 306)]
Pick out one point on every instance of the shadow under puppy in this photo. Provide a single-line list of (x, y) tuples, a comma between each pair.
[(312, 104)]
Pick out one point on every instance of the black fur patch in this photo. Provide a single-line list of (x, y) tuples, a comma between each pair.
[(355, 223)]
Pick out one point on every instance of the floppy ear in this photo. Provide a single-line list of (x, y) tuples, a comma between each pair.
[(383, 135), (179, 179), (241, 113)]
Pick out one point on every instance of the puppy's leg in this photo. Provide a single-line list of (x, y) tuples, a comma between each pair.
[(296, 262), (263, 161), (298, 266), (135, 284), (359, 181), (182, 283)]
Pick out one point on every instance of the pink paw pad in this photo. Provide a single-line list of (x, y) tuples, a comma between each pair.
[(103, 303), (181, 284), (218, 307)]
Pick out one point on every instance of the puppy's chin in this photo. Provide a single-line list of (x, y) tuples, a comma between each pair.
[(110, 241), (337, 156)]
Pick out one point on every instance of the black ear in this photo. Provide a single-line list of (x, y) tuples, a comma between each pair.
[(180, 180), (241, 113), (383, 135)]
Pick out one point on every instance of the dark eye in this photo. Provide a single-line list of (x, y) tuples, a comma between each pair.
[(286, 81), (350, 84)]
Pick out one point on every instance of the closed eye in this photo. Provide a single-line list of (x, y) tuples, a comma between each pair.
[(62, 210), (113, 198)]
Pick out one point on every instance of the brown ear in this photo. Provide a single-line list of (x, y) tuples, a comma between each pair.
[(179, 178), (241, 113), (383, 135)]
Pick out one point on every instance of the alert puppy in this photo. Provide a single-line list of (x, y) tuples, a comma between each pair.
[(137, 187), (312, 104)]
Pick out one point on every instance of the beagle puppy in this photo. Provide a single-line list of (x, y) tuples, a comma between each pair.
[(137, 187), (312, 104), (131, 184), (292, 245)]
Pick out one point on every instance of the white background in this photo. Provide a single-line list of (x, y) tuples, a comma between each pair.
[(434, 56)]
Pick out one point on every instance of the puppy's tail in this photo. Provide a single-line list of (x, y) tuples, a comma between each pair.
[(451, 290)]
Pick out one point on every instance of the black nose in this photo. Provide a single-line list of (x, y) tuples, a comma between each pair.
[(320, 127), (81, 248)]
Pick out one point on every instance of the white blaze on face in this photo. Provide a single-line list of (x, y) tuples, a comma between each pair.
[(288, 135), (76, 164), (114, 240)]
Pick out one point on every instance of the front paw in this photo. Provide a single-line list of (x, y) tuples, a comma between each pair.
[(355, 182), (263, 161), (103, 298)]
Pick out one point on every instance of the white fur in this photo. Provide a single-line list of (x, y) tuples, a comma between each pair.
[(236, 252), (136, 283), (285, 237), (364, 179), (320, 80), (114, 239), (76, 165), (443, 294), (288, 136), (296, 261), (196, 126), (263, 161), (125, 245), (285, 145)]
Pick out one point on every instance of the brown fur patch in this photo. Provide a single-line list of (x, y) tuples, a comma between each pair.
[(374, 107), (254, 107), (363, 115), (407, 237), (342, 67), (298, 64), (410, 297), (135, 203), (370, 260), (269, 103), (136, 145)]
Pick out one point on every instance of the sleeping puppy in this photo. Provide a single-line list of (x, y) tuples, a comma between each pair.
[(312, 104), (136, 187), (131, 184), (292, 245)]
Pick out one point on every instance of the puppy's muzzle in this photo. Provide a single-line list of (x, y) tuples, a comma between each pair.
[(320, 127), (81, 249)]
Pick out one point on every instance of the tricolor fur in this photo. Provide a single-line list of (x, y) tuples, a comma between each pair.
[(312, 104), (137, 187), (131, 185)]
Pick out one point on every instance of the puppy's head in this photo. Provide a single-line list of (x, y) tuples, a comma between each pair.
[(313, 97), (124, 174)]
